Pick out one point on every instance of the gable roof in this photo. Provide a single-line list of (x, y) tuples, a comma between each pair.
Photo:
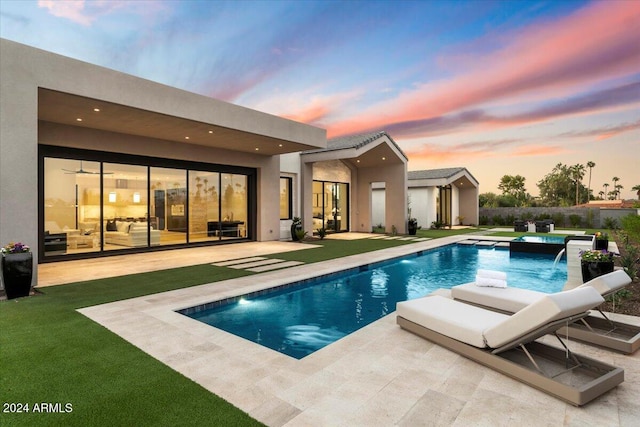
[(447, 174), (434, 173), (356, 141)]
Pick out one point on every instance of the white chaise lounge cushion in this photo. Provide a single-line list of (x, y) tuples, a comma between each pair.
[(462, 322), (513, 300), (506, 299), (543, 311), (608, 283)]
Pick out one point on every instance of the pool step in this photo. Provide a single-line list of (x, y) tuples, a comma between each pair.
[(484, 243)]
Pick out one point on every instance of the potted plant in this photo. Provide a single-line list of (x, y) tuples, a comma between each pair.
[(602, 240), (322, 232), (17, 269), (295, 226), (412, 226), (596, 262)]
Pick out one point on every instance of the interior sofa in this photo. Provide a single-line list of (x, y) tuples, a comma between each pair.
[(131, 234)]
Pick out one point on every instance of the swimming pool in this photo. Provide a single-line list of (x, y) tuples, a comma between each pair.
[(300, 318)]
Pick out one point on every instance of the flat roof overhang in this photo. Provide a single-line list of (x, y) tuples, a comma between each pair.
[(66, 108)]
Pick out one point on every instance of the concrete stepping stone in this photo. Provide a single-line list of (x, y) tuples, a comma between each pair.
[(238, 261), (248, 265), (275, 266)]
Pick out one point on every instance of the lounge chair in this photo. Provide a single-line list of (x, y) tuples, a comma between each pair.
[(507, 343), (600, 331)]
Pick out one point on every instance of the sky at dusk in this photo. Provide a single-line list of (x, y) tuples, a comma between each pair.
[(499, 87)]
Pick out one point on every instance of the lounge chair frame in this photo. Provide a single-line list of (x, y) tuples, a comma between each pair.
[(508, 361), (593, 330)]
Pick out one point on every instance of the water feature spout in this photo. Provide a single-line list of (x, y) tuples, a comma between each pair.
[(555, 262)]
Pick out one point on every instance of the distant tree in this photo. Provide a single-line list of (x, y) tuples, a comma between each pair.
[(636, 188), (601, 194), (615, 192), (577, 172), (514, 186), (488, 200), (558, 187), (590, 165), (606, 188)]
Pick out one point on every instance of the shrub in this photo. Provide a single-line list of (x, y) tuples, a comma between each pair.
[(321, 233), (509, 220), (575, 220), (484, 220), (558, 219), (610, 223), (589, 223), (631, 226), (497, 220)]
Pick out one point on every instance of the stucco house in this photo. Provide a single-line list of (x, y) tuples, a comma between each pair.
[(448, 196), (95, 162)]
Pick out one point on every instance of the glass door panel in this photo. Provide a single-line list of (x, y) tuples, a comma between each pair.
[(168, 205), (125, 207), (234, 206), (341, 204), (71, 206), (204, 206)]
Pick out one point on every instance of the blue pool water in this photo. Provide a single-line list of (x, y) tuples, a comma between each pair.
[(299, 319), (559, 240)]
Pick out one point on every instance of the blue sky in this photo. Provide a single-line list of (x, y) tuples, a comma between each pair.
[(500, 87)]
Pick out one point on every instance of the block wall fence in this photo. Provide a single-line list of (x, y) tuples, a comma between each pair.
[(589, 217)]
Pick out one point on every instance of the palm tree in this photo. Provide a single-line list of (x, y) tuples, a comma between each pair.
[(578, 173), (615, 180), (606, 188), (590, 165), (601, 194), (636, 188), (618, 188)]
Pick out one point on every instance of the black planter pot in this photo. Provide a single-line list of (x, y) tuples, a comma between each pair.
[(17, 271), (412, 228), (591, 270), (294, 228), (602, 244)]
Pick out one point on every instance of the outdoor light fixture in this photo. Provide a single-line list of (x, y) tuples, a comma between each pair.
[(112, 197)]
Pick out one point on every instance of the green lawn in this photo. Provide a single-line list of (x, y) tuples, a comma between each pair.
[(52, 354)]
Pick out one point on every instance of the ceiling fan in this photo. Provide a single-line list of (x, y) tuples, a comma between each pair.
[(82, 171)]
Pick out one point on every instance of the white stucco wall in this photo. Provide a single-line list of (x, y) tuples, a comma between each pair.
[(25, 69)]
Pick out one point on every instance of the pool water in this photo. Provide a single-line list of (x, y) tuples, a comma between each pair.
[(301, 319)]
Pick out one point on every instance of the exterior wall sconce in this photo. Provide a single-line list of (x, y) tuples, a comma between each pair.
[(112, 197)]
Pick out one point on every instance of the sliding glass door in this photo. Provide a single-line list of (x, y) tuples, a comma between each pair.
[(92, 206), (331, 206)]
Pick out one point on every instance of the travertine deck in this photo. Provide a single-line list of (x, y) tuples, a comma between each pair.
[(379, 376)]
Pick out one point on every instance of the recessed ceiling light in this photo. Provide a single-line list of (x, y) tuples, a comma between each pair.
[(97, 110), (78, 119), (279, 145), (210, 131), (186, 137), (358, 161), (384, 158), (257, 149)]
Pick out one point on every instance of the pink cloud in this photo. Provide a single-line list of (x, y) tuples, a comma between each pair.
[(597, 43), (70, 9), (86, 13)]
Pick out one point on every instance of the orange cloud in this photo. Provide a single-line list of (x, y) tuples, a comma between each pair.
[(597, 43), (539, 150)]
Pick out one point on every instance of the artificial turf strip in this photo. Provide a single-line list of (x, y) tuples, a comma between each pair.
[(51, 353)]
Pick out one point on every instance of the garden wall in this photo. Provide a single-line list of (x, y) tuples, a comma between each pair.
[(563, 217)]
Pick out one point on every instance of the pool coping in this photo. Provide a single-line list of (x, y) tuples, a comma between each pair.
[(272, 387)]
